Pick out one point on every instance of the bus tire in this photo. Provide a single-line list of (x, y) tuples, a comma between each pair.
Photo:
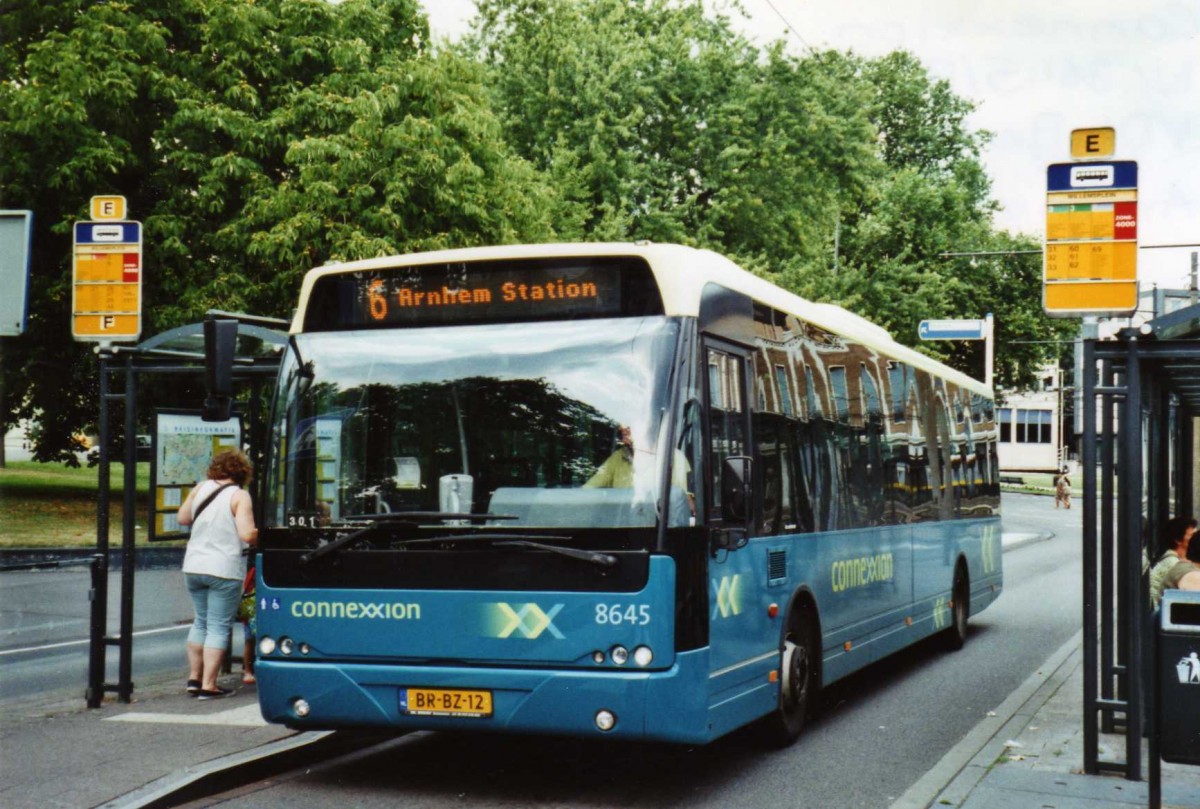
[(960, 609), (799, 680)]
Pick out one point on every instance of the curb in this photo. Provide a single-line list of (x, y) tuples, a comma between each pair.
[(965, 765), (144, 557), (238, 769)]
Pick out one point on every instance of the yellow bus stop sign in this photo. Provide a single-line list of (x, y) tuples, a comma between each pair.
[(1090, 258), (111, 208), (1093, 143), (106, 293)]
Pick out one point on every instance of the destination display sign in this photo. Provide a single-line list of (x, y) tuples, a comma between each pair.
[(487, 291)]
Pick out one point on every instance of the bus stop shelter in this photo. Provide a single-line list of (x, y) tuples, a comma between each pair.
[(180, 354), (1140, 397)]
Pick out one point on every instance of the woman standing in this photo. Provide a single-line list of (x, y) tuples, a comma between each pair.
[(222, 519)]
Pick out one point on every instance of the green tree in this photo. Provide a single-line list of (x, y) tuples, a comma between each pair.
[(659, 122), (254, 140), (933, 198)]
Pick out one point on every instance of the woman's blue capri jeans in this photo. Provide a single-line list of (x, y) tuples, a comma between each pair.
[(216, 603)]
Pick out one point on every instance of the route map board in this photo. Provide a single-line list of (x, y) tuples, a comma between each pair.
[(184, 444), (1091, 239)]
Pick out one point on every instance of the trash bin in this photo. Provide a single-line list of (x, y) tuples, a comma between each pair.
[(1179, 677)]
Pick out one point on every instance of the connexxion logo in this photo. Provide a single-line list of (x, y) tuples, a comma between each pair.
[(355, 610), (526, 620)]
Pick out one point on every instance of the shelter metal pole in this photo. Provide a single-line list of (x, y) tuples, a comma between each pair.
[(1185, 472), (128, 538), (1161, 433), (1107, 469), (1130, 606), (99, 590), (1091, 737)]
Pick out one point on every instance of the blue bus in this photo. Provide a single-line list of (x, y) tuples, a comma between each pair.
[(621, 490)]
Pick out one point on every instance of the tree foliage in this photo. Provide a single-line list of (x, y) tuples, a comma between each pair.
[(259, 139), (842, 178), (255, 140)]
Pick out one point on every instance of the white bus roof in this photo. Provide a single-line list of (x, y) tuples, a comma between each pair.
[(681, 273)]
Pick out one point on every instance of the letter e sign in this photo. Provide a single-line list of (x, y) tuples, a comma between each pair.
[(108, 208), (1097, 142)]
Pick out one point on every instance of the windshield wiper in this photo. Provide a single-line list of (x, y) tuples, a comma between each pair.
[(520, 541), (471, 537), (417, 516), (594, 557), (343, 541)]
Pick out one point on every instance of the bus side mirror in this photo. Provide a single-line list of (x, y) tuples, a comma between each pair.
[(736, 492), (220, 345)]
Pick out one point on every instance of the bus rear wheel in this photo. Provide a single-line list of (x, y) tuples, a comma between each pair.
[(960, 610), (798, 684)]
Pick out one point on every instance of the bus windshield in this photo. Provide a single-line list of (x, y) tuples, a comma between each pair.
[(541, 424)]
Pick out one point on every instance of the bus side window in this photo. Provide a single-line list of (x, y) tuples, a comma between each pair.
[(691, 448), (727, 425), (773, 476)]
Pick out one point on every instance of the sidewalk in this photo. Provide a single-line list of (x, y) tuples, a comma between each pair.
[(1029, 755), (57, 753)]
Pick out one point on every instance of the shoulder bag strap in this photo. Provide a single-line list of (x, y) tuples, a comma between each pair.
[(196, 511)]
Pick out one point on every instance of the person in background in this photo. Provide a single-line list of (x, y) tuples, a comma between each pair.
[(220, 512), (1062, 489), (247, 614), (1173, 568)]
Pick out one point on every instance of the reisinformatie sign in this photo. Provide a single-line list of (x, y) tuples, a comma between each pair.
[(184, 444)]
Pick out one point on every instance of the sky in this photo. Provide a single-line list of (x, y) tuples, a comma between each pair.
[(1035, 70)]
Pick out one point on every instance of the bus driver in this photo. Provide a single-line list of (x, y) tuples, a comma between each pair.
[(617, 471)]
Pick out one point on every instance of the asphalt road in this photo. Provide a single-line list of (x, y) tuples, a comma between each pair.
[(45, 619), (881, 730)]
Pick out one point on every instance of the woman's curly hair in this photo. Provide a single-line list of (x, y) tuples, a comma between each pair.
[(232, 464), (1173, 532)]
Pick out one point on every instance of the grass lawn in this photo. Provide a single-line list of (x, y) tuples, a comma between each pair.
[(51, 505)]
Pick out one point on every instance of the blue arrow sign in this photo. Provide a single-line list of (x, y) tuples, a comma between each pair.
[(952, 329)]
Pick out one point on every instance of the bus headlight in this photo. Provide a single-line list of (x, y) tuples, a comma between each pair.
[(643, 655), (305, 648), (266, 646), (286, 646), (301, 708), (619, 655)]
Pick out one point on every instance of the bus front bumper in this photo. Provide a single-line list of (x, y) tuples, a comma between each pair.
[(667, 705)]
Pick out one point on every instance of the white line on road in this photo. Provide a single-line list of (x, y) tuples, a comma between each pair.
[(82, 642)]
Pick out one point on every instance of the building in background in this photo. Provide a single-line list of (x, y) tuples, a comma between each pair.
[(1032, 430)]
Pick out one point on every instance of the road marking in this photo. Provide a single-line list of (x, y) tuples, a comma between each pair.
[(247, 716), (85, 641)]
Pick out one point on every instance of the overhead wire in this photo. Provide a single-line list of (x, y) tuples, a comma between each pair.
[(788, 23)]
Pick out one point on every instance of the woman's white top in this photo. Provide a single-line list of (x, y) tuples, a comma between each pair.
[(214, 548)]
